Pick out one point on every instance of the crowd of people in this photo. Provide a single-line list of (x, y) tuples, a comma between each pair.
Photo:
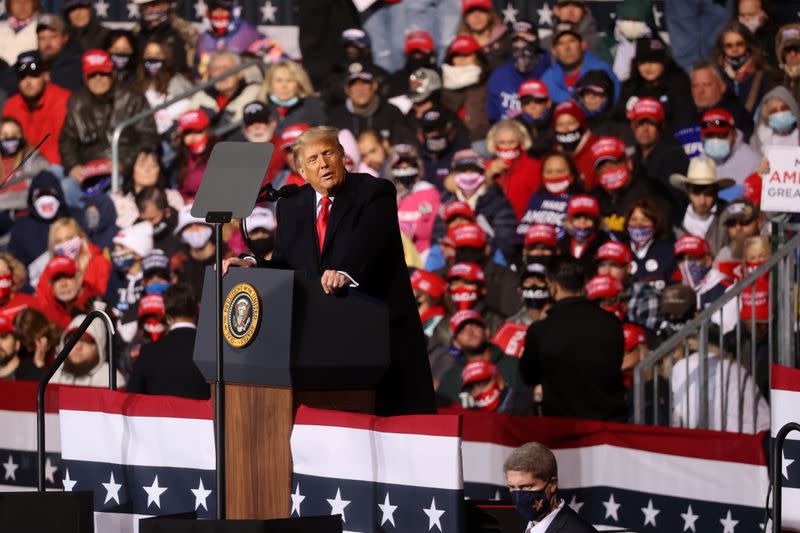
[(567, 201)]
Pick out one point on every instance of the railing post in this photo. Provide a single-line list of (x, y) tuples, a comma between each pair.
[(702, 375), (638, 394)]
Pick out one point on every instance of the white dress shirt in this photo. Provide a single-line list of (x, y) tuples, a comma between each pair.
[(542, 525), (318, 196)]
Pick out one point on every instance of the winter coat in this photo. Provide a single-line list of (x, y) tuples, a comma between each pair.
[(673, 90), (237, 39), (469, 103), (729, 101), (98, 376), (14, 194), (95, 277), (232, 112), (387, 120), (16, 42), (565, 247), (166, 118), (587, 27), (666, 158), (498, 48), (584, 160), (752, 88), (99, 220), (94, 35), (47, 115), (764, 135), (742, 162), (504, 85), (416, 213), (613, 206), (522, 179), (90, 124), (604, 122), (178, 34), (66, 69), (554, 77)]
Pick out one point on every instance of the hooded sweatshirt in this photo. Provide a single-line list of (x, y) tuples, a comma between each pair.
[(764, 135), (98, 376)]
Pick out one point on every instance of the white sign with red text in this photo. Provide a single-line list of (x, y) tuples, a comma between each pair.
[(781, 185)]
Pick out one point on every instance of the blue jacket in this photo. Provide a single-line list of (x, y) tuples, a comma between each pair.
[(554, 77), (503, 87)]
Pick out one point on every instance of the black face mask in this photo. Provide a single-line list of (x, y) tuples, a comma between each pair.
[(468, 254), (569, 141), (536, 297), (405, 175), (262, 246)]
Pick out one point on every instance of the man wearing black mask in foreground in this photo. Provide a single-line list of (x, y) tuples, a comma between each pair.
[(260, 227), (535, 295)]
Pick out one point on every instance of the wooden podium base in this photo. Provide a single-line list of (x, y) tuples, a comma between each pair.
[(259, 423)]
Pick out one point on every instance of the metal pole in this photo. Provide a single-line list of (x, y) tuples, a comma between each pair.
[(702, 385), (220, 383), (638, 394)]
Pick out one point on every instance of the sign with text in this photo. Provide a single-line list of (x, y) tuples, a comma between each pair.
[(781, 185)]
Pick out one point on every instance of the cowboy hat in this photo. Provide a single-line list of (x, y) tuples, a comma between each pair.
[(702, 171)]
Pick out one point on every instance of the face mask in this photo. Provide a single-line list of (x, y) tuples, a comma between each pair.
[(531, 504), (557, 184), (10, 146), (153, 66), (614, 179), (751, 23), (220, 22), (641, 235), (289, 102), (198, 146), (536, 298), (509, 154), (782, 121), (6, 280), (405, 175), (121, 61), (197, 238), (469, 182), (263, 246), (436, 144), (153, 328), (693, 272), (122, 260), (468, 254), (717, 149), (525, 59), (737, 62), (70, 248), (488, 400), (454, 78), (582, 234), (464, 297), (154, 19), (569, 141), (156, 287), (46, 206), (632, 29), (793, 71)]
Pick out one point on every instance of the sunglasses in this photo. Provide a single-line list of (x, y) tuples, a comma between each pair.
[(536, 100)]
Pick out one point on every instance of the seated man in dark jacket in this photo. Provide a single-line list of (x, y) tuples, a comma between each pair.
[(166, 366)]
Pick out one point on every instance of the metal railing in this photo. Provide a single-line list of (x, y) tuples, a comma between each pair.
[(691, 346), (115, 181)]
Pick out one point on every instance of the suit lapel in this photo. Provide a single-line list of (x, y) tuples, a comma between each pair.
[(306, 222), (341, 204)]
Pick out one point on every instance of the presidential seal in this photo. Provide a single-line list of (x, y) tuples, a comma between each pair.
[(241, 315)]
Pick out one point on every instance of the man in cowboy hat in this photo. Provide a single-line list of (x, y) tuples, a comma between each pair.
[(702, 215)]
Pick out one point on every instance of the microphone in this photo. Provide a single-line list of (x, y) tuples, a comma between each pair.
[(268, 193), (25, 160)]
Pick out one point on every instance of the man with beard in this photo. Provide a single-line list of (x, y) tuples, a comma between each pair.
[(527, 62), (87, 364), (40, 107), (12, 366), (62, 55), (258, 124)]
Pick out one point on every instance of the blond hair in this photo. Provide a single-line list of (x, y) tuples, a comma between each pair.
[(18, 271), (315, 135), (760, 242), (525, 141), (298, 73)]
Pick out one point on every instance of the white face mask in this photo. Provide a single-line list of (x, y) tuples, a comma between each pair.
[(632, 29), (455, 78), (197, 238), (47, 206), (70, 248)]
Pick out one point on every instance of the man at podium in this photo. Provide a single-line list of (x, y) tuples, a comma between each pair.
[(342, 227)]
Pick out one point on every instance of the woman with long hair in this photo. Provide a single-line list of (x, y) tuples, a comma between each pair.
[(13, 147), (291, 98), (158, 80)]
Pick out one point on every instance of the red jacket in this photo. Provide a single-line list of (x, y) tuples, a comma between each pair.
[(584, 162), (47, 116), (95, 277), (520, 182)]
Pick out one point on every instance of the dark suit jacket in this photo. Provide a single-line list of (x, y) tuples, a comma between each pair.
[(166, 367), (568, 521), (575, 354), (363, 239)]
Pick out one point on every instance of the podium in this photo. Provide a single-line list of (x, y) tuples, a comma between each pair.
[(286, 343)]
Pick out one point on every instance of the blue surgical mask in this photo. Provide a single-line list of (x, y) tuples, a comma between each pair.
[(283, 103), (531, 504), (782, 121), (122, 260), (641, 234), (582, 234), (717, 149), (693, 272), (156, 287)]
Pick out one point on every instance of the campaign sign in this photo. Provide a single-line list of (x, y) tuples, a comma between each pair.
[(781, 185)]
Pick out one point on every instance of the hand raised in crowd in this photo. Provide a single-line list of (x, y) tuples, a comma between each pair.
[(496, 167)]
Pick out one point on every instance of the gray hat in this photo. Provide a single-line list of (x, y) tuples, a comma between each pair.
[(422, 83)]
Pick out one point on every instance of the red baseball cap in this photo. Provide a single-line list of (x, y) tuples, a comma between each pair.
[(464, 45), (469, 5), (717, 121), (456, 208), (541, 234), (601, 287), (194, 120), (96, 60), (583, 204), (634, 336), (752, 188), (429, 283), (419, 41), (691, 245), (614, 251), (62, 265), (462, 317), (467, 272), (607, 148), (570, 107), (291, 133), (6, 325), (534, 88), (151, 304), (476, 371), (646, 108), (467, 235)]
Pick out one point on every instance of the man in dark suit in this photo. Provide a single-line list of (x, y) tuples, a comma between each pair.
[(343, 228), (166, 366), (575, 353), (532, 477)]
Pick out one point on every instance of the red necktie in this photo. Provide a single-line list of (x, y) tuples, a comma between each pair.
[(322, 220)]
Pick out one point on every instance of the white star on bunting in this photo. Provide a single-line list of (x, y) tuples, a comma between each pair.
[(728, 523), (657, 16), (154, 493), (689, 518), (200, 496), (49, 471), (785, 464), (268, 12), (101, 9), (510, 14), (387, 511), (133, 10), (200, 9), (338, 504), (297, 499), (545, 15), (574, 504), (612, 508), (112, 490), (434, 515), (650, 513), (11, 468), (68, 483)]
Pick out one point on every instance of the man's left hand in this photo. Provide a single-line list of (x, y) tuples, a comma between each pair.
[(333, 281)]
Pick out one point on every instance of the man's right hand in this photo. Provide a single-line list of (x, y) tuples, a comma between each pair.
[(237, 262)]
